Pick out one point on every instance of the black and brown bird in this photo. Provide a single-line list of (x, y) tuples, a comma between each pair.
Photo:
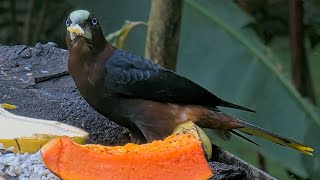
[(142, 96)]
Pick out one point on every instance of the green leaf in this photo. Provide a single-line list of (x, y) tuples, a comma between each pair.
[(220, 54), (118, 37), (314, 64), (311, 164)]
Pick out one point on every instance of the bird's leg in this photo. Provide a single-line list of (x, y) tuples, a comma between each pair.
[(136, 136)]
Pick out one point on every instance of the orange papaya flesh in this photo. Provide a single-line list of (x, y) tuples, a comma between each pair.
[(176, 157)]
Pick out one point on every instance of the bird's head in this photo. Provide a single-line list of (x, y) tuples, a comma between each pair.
[(84, 31)]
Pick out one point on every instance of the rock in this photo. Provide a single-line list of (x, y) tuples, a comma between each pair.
[(228, 166)]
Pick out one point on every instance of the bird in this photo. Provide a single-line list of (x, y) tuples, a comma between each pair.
[(147, 99)]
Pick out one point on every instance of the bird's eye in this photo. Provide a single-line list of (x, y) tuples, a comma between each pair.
[(67, 22), (94, 21)]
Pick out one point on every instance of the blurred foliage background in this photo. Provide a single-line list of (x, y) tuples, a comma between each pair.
[(240, 50)]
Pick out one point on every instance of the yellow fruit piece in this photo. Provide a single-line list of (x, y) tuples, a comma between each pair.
[(33, 144), (190, 128), (8, 106), (29, 134)]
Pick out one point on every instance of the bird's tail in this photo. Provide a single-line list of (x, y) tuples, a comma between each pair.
[(228, 124), (257, 131), (231, 105)]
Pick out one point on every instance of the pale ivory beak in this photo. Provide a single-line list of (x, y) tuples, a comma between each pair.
[(76, 30)]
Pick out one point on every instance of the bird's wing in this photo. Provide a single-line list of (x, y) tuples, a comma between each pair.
[(134, 76)]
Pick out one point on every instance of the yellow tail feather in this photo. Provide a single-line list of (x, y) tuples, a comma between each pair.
[(256, 131)]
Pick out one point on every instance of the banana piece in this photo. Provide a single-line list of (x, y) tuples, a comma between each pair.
[(191, 128), (29, 134)]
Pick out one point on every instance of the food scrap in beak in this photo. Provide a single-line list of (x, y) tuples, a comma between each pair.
[(76, 29)]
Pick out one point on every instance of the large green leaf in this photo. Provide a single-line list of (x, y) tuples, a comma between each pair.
[(238, 67), (217, 52)]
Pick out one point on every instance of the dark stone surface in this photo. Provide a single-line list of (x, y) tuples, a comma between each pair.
[(36, 80), (228, 166), (225, 171)]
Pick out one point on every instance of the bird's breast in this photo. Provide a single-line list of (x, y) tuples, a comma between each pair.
[(89, 79)]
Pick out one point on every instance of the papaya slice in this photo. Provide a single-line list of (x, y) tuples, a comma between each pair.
[(176, 157)]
